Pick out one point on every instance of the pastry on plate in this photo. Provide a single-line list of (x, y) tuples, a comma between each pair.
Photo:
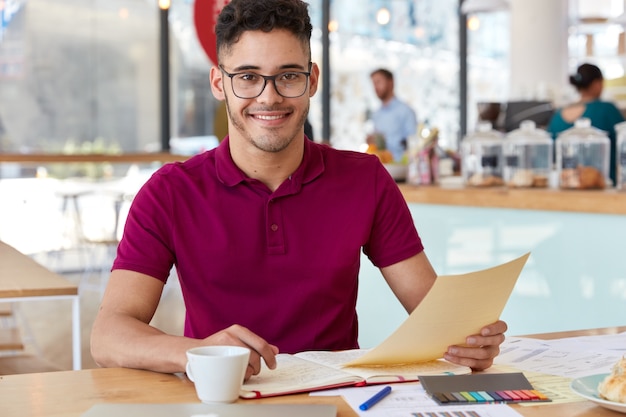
[(613, 387)]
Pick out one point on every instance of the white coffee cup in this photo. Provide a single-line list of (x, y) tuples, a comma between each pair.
[(217, 372)]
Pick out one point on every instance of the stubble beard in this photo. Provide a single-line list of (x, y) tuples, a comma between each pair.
[(271, 141)]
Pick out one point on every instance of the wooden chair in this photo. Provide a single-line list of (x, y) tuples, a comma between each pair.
[(98, 226)]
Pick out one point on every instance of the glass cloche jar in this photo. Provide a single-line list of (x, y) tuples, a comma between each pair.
[(481, 157), (620, 156), (582, 156), (527, 156)]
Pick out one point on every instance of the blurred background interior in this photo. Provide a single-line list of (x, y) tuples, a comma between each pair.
[(85, 74)]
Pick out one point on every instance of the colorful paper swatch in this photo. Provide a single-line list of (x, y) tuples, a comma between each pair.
[(481, 389)]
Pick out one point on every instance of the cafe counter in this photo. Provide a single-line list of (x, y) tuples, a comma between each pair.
[(608, 201)]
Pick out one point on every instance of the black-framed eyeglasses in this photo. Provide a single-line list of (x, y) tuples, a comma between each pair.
[(289, 84)]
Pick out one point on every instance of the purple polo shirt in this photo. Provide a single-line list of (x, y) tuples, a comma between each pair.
[(284, 264)]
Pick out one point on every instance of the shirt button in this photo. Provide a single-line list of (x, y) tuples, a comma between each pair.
[(274, 227)]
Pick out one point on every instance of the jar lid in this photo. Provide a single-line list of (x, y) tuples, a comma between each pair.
[(484, 133), (529, 132), (582, 130), (620, 128)]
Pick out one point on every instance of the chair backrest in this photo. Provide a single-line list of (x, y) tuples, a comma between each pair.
[(99, 216)]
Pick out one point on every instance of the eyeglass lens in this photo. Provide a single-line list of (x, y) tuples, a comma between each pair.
[(287, 84)]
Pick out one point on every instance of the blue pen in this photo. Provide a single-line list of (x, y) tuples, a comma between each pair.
[(376, 398)]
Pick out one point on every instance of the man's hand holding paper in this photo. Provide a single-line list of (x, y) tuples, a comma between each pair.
[(480, 349), (450, 323)]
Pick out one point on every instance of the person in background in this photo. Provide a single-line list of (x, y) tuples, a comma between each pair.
[(604, 115), (266, 231), (394, 119)]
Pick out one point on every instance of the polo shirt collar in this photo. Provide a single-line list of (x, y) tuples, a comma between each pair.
[(311, 167)]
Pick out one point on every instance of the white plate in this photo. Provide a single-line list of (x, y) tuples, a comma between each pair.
[(587, 387)]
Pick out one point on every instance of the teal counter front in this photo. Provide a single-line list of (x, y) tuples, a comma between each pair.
[(575, 277)]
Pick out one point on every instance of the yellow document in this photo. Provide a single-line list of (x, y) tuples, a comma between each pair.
[(455, 307)]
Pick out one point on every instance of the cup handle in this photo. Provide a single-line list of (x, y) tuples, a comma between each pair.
[(189, 374)]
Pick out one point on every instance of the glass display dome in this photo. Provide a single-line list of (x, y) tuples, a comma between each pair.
[(482, 158), (528, 156), (582, 157)]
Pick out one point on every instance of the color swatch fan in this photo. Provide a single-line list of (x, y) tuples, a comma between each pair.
[(481, 389)]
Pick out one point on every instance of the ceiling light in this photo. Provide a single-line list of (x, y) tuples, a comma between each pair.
[(473, 23), (383, 16), (164, 4)]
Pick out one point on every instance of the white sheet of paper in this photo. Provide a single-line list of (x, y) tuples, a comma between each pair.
[(456, 306), (568, 357)]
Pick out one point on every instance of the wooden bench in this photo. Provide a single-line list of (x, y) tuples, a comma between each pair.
[(10, 336), (10, 339), (25, 364)]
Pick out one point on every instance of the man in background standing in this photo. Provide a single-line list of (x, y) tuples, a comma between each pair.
[(395, 119)]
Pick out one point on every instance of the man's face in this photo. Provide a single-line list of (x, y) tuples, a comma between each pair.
[(269, 122), (383, 86)]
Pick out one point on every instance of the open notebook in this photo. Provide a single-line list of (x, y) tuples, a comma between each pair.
[(317, 370), (455, 307)]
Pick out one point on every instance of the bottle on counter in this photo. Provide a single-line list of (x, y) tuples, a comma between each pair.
[(423, 160), (583, 157), (620, 156), (528, 156), (482, 157)]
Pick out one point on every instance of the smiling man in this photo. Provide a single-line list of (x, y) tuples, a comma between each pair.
[(266, 231)]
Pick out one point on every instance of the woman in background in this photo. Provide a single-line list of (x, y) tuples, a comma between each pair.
[(603, 115)]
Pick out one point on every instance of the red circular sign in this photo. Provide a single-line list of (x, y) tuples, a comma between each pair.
[(205, 18)]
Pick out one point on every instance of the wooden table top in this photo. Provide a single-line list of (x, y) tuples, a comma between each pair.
[(610, 201), (126, 157), (21, 276), (71, 393)]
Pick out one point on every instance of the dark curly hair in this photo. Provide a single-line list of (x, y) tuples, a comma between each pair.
[(239, 16)]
